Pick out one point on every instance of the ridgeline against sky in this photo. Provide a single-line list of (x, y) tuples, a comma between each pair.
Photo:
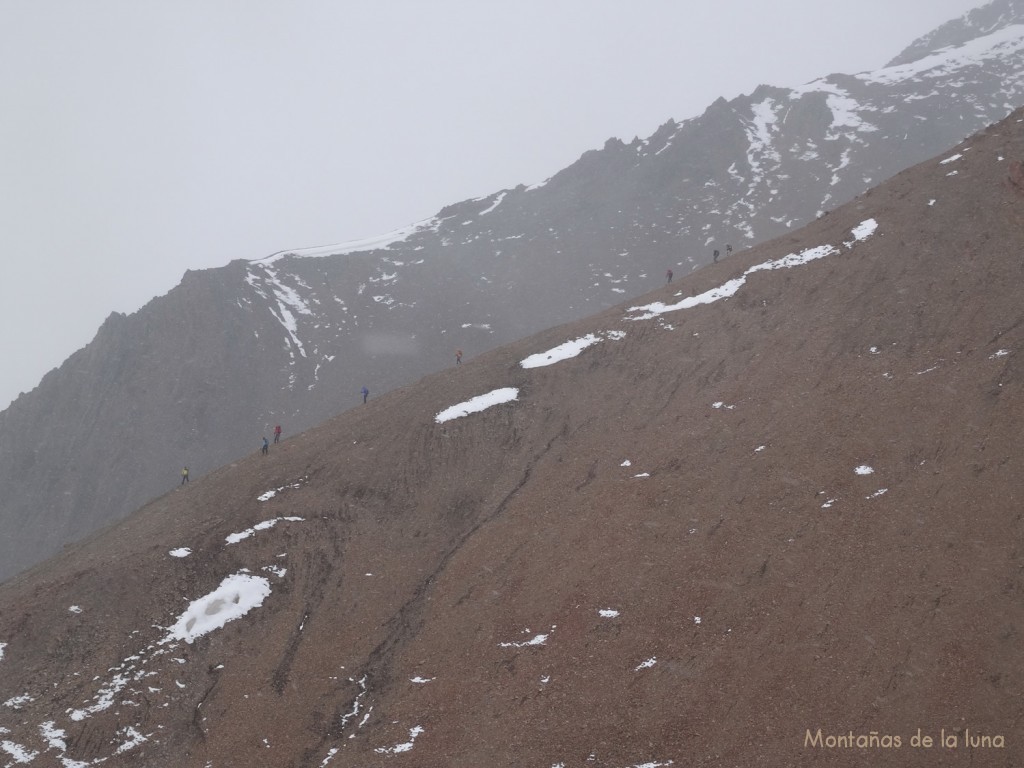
[(199, 376), (139, 141)]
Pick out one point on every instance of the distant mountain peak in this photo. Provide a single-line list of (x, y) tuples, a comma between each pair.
[(989, 18), (196, 376)]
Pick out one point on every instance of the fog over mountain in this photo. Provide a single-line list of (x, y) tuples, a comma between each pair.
[(197, 377), (764, 515)]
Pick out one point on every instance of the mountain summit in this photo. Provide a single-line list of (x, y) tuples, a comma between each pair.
[(199, 376), (764, 515)]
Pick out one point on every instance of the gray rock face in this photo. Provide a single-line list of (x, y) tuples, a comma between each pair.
[(980, 22), (199, 375)]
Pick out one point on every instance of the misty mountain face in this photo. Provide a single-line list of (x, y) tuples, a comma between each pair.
[(200, 375), (761, 509), (975, 24)]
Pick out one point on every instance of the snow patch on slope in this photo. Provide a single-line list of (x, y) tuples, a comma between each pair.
[(478, 403), (568, 349), (234, 598), (728, 289), (997, 45)]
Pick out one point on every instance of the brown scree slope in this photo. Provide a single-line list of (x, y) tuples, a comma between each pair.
[(439, 602)]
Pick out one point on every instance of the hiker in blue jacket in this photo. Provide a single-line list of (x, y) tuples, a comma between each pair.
[(266, 446), (366, 394)]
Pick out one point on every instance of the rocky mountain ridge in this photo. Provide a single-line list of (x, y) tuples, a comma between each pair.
[(198, 376), (765, 515)]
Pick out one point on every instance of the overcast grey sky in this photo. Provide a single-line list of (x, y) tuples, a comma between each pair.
[(141, 139)]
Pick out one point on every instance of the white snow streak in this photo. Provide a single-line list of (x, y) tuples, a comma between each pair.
[(355, 246), (729, 288), (478, 403), (561, 352), (535, 640), (1001, 43), (18, 752), (415, 731), (234, 538), (271, 494), (568, 349), (495, 204)]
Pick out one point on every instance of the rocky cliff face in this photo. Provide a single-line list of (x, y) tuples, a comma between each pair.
[(198, 376), (766, 515)]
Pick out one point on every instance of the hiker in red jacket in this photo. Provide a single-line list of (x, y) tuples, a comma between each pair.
[(277, 433)]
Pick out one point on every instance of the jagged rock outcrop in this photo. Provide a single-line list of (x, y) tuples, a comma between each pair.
[(199, 375)]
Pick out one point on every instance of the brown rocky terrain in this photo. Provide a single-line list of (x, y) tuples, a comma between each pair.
[(793, 506), (197, 376)]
